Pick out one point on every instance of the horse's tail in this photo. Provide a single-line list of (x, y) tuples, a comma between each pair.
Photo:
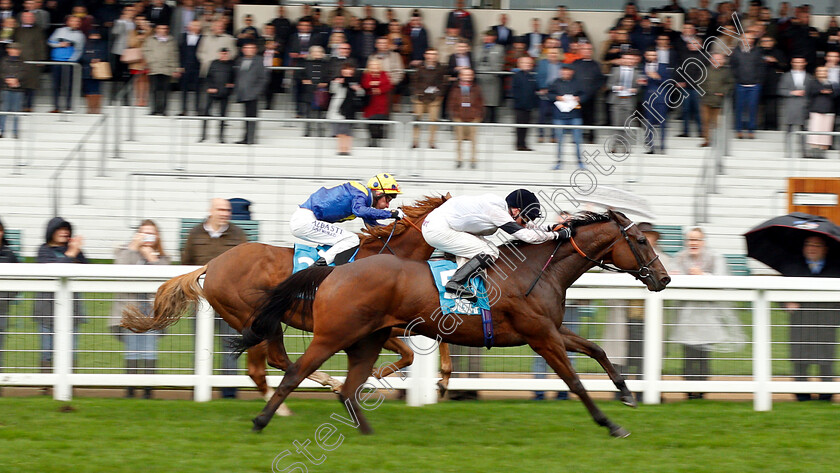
[(292, 295), (173, 299)]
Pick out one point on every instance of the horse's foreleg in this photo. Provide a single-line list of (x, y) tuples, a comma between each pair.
[(445, 368), (361, 356), (552, 348), (315, 355), (578, 344)]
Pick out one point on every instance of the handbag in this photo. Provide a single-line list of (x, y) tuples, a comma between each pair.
[(101, 70), (320, 99), (131, 55)]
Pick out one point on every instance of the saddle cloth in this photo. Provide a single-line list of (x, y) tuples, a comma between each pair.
[(442, 270), (305, 256)]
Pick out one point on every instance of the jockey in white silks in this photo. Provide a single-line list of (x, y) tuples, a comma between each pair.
[(314, 220), (460, 226)]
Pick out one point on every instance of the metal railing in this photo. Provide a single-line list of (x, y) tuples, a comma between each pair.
[(135, 190), (490, 146), (78, 154), (77, 78), (183, 146), (400, 140), (789, 152), (761, 369)]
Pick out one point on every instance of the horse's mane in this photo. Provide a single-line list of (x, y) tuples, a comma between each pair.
[(586, 218), (419, 209)]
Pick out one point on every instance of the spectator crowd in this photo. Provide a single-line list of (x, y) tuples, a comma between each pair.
[(782, 72)]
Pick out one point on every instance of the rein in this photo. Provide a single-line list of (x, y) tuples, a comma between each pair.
[(641, 273), (393, 229)]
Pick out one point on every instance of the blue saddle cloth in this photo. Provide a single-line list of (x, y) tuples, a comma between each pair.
[(305, 256), (442, 271)]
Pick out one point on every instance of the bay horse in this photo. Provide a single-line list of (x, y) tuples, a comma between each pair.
[(355, 307), (235, 281)]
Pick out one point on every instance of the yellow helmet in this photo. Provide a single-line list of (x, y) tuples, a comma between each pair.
[(384, 182)]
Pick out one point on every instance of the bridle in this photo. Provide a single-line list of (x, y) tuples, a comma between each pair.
[(643, 272)]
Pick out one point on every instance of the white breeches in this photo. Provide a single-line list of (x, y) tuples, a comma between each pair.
[(461, 244), (306, 227)]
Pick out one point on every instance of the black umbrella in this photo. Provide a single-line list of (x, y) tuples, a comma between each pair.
[(779, 240)]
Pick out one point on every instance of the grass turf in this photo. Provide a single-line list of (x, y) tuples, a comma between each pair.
[(120, 435)]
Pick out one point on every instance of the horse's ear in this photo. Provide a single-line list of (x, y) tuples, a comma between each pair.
[(612, 214), (447, 197)]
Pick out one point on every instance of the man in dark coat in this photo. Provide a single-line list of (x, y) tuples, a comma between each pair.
[(251, 79), (776, 64), (159, 13), (218, 85), (297, 51), (524, 98), (588, 72), (190, 65), (504, 34), (33, 46), (461, 19), (282, 28), (813, 325)]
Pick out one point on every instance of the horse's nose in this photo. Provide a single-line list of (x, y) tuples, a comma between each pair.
[(665, 280)]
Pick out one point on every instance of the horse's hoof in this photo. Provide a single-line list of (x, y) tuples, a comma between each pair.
[(442, 388), (619, 432), (284, 411), (365, 430), (259, 424), (629, 400)]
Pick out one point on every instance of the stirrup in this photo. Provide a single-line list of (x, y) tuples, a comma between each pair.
[(320, 262), (461, 291)]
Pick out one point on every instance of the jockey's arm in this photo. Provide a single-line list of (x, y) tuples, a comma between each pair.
[(364, 211), (528, 235), (504, 221)]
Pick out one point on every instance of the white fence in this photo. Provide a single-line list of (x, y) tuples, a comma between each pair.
[(85, 353)]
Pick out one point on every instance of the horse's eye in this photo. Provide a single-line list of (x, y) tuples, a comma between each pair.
[(642, 240)]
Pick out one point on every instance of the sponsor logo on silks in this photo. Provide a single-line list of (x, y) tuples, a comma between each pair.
[(806, 225)]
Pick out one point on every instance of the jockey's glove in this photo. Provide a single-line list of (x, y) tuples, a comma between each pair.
[(562, 234), (397, 214)]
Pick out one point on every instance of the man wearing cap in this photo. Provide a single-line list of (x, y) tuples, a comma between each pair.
[(566, 94), (218, 86), (11, 92), (460, 227)]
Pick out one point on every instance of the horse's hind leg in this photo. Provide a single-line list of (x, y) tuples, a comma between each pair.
[(445, 368), (315, 355), (361, 356), (399, 347), (578, 344), (551, 347)]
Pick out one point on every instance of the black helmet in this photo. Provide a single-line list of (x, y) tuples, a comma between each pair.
[(526, 202)]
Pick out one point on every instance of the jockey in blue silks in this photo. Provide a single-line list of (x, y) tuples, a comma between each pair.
[(314, 220)]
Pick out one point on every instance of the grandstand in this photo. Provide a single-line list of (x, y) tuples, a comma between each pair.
[(751, 190)]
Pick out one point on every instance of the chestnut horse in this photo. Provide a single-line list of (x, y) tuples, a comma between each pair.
[(235, 281), (355, 307)]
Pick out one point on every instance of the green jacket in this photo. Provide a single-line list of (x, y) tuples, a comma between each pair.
[(719, 81)]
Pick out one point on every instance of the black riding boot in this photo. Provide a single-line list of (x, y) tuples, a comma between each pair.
[(458, 284)]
